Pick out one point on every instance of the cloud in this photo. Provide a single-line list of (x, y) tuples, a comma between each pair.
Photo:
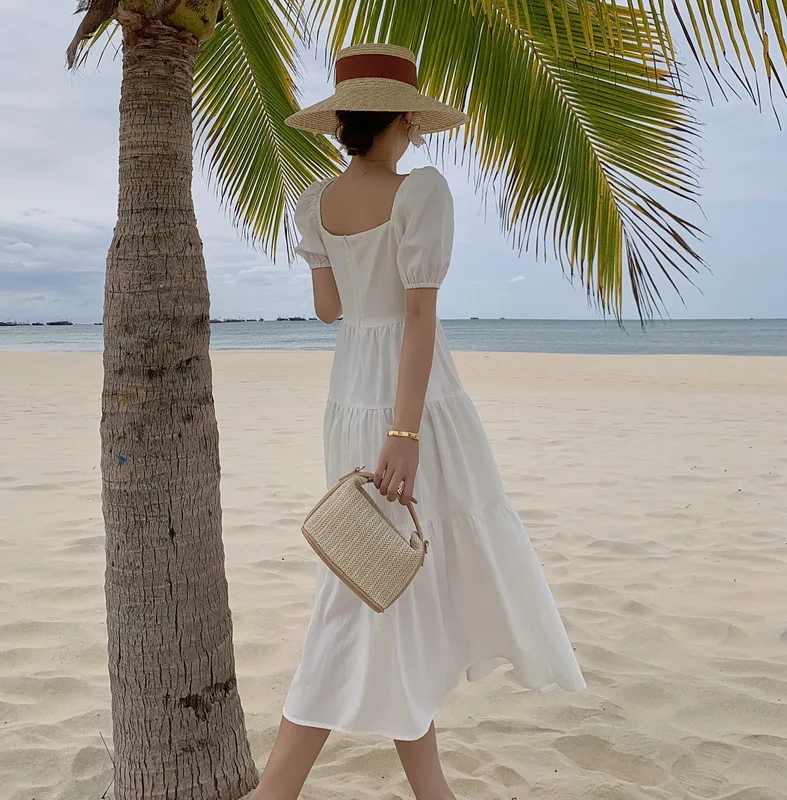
[(52, 267)]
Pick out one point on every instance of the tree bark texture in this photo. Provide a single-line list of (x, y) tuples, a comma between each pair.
[(178, 725)]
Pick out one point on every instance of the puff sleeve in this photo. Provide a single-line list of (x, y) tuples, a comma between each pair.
[(307, 219), (425, 223)]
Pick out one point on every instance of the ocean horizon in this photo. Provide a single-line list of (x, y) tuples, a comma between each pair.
[(758, 337)]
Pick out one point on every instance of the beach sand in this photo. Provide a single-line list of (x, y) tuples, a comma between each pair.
[(654, 489)]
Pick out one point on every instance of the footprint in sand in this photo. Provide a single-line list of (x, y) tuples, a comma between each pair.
[(760, 740), (698, 779), (718, 753), (90, 762), (8, 712), (645, 694), (754, 793), (30, 634), (595, 753), (503, 775)]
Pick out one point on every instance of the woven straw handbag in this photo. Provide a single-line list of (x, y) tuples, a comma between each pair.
[(360, 544)]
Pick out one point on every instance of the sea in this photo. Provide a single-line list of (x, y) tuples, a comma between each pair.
[(712, 337)]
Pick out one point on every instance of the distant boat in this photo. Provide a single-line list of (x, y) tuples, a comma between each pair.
[(312, 319), (8, 324), (297, 319), (282, 319), (60, 322), (233, 319), (473, 317), (37, 323), (251, 320), (98, 323), (260, 320), (216, 321)]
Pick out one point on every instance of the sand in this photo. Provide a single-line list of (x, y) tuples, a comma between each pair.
[(654, 488)]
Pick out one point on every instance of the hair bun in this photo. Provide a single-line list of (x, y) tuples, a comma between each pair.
[(357, 130)]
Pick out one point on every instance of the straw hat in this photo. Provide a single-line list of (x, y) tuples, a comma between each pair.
[(377, 77)]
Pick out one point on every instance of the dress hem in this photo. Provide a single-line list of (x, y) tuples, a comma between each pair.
[(345, 731)]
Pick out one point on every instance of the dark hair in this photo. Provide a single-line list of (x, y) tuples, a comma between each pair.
[(357, 130)]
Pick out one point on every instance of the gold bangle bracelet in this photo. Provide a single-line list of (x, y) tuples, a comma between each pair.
[(405, 435)]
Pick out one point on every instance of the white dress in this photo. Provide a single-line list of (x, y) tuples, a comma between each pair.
[(481, 599)]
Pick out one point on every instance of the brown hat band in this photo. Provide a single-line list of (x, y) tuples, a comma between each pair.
[(376, 65)]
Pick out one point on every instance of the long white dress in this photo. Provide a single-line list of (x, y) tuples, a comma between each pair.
[(481, 599)]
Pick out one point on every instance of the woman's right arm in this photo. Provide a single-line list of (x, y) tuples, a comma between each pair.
[(327, 303), (311, 248)]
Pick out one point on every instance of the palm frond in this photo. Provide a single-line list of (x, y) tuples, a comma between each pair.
[(243, 91), (745, 39), (95, 23), (576, 143)]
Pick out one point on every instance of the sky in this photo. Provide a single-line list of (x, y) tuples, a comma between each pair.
[(58, 164)]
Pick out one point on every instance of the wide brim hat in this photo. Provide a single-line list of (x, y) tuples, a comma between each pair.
[(377, 77)]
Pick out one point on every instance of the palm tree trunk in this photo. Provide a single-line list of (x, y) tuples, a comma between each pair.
[(177, 720)]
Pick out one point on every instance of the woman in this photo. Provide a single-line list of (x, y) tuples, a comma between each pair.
[(379, 244)]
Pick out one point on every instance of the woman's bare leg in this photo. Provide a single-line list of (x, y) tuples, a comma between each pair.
[(421, 763), (290, 762)]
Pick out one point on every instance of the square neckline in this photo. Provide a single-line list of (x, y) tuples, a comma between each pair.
[(368, 230)]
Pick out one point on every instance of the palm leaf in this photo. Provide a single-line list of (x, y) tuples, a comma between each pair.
[(98, 19), (746, 37), (721, 34), (577, 148), (243, 91), (712, 29)]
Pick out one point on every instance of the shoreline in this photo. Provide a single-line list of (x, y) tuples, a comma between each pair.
[(671, 337), (503, 353)]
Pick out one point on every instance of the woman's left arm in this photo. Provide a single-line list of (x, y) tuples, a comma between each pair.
[(424, 218), (398, 461)]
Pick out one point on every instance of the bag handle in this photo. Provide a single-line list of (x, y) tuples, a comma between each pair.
[(368, 477)]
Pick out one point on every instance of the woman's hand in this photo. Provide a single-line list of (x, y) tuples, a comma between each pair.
[(396, 467)]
